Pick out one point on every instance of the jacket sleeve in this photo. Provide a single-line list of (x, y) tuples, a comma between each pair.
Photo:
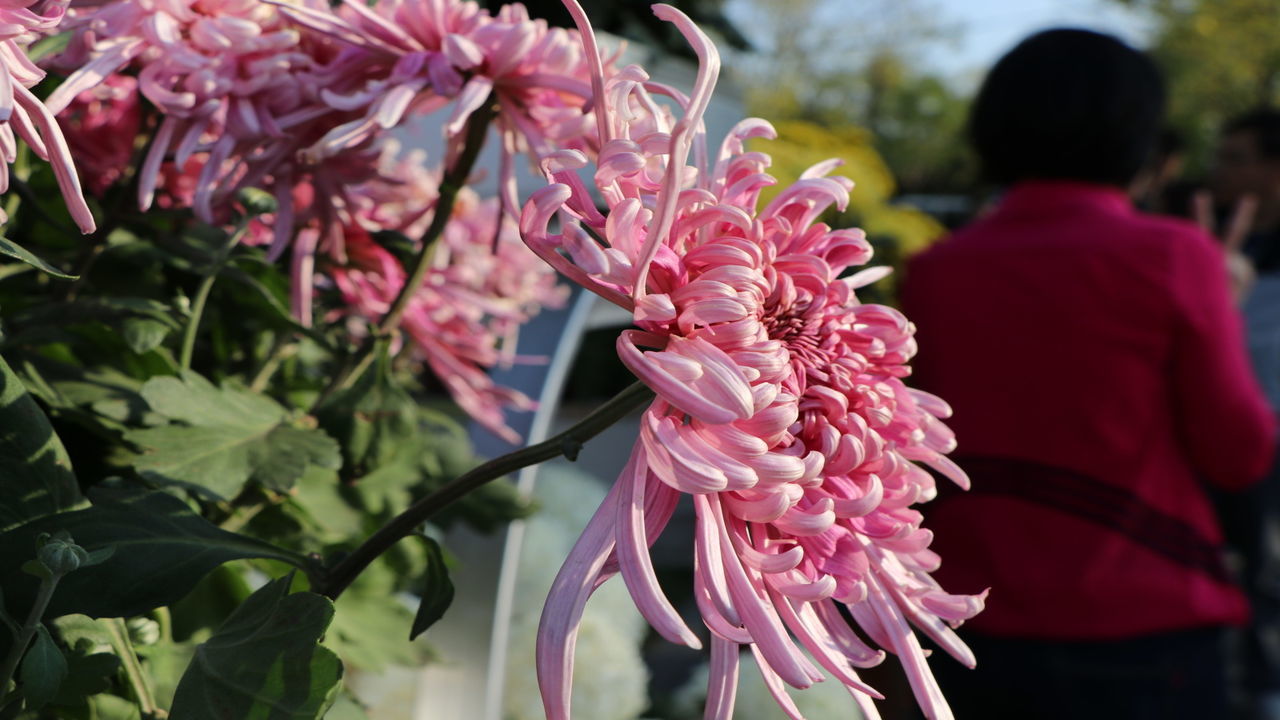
[(1227, 427)]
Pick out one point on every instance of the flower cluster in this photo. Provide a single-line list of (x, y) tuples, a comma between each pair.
[(781, 408), (403, 56), (22, 113), (297, 99), (483, 285), (232, 78)]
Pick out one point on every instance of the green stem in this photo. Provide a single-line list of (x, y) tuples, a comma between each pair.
[(165, 620), (132, 668), (202, 296), (281, 349), (567, 443), (455, 178), (43, 595)]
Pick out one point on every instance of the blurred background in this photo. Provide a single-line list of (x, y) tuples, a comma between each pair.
[(886, 84)]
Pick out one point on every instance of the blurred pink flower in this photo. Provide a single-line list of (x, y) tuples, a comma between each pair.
[(484, 284), (232, 79), (781, 407), (102, 126), (21, 23), (418, 56)]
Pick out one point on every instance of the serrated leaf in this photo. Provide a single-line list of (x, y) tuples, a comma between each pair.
[(437, 593), (231, 436), (16, 251), (289, 451), (42, 671), (76, 630), (162, 549), (264, 661), (196, 401), (34, 467)]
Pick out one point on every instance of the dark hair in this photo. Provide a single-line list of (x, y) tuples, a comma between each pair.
[(1264, 123), (1071, 105)]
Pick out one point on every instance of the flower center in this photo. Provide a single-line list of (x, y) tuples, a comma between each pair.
[(794, 325)]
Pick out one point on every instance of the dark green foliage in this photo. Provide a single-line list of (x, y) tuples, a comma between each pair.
[(264, 661), (33, 463), (437, 593), (162, 548), (225, 437)]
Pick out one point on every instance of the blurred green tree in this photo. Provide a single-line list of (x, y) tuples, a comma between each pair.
[(810, 62), (1220, 57)]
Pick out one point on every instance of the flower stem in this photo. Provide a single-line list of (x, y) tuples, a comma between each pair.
[(454, 179), (202, 295), (19, 648), (567, 443), (281, 349), (132, 668)]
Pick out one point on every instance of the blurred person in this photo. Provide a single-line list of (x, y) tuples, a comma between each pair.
[(1246, 176), (1157, 182), (1097, 368), (1247, 165)]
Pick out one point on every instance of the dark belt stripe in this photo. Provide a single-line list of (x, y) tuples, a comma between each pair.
[(1111, 507)]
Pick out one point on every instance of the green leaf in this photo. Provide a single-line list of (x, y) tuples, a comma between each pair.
[(368, 631), (375, 420), (35, 472), (113, 707), (42, 671), (162, 549), (321, 496), (16, 251), (230, 436), (165, 664), (77, 630), (265, 661), (144, 334), (88, 673), (110, 310), (437, 593), (269, 300)]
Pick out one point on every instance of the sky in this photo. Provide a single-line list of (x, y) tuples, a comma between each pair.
[(989, 28), (981, 30)]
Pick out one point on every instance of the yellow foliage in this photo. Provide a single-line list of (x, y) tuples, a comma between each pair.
[(801, 145)]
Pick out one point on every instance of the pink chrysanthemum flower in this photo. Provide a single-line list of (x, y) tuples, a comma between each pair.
[(21, 22), (781, 408), (484, 284), (407, 56), (231, 77)]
